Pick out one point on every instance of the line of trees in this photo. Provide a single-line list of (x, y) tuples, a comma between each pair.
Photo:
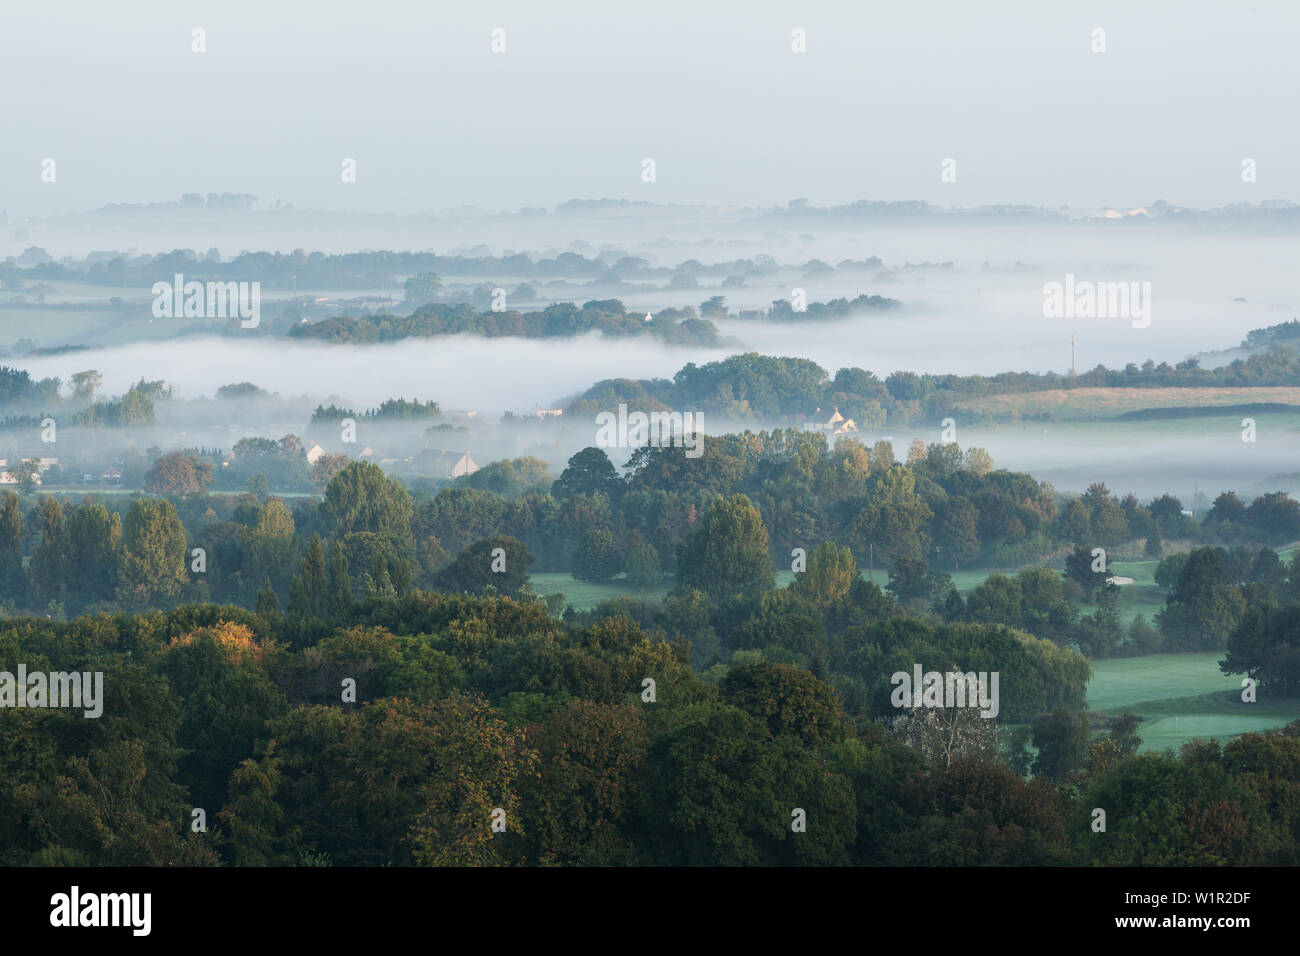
[(943, 509), (560, 320), (754, 387)]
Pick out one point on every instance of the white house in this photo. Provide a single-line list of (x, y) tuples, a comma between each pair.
[(441, 463), (837, 424)]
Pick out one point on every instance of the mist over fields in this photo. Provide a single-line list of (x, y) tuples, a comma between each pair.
[(972, 304), (973, 295)]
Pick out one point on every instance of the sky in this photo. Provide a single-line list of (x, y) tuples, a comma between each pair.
[(583, 93)]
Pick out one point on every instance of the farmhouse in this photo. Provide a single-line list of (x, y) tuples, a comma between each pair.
[(441, 463), (837, 424)]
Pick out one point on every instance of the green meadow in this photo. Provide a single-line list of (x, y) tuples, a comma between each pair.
[(583, 595), (92, 324), (1181, 697)]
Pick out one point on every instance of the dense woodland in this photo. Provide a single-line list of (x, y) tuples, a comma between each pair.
[(467, 707), (475, 695)]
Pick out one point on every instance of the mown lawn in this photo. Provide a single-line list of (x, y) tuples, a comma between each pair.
[(583, 595), (1181, 697)]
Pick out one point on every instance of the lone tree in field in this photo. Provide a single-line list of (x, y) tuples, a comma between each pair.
[(597, 557)]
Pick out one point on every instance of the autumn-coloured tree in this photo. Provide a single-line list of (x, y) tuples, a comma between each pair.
[(326, 467), (178, 475), (829, 575)]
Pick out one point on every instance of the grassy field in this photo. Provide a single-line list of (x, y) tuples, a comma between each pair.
[(1142, 596), (1095, 403), (583, 596), (81, 326), (1181, 697), (92, 326), (967, 581)]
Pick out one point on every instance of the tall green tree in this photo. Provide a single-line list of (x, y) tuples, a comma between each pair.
[(48, 572), (269, 548), (499, 562), (153, 569), (588, 472), (894, 523), (597, 557), (94, 537), (370, 514), (340, 584), (1061, 739), (13, 585), (729, 554), (1203, 608), (309, 597), (829, 576)]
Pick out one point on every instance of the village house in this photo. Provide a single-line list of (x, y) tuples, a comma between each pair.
[(42, 465), (440, 463), (837, 424)]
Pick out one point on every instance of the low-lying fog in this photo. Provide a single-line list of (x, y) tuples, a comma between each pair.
[(1207, 291), (494, 375), (459, 372), (983, 315)]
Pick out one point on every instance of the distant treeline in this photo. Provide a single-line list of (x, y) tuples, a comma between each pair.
[(317, 270), (20, 393), (754, 387), (608, 316)]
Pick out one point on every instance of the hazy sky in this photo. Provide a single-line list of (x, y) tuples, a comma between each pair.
[(710, 90)]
